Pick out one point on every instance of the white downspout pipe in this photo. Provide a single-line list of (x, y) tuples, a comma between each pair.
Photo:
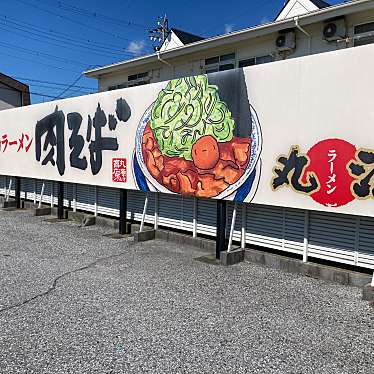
[(162, 60), (165, 62), (144, 212), (8, 192), (41, 195), (233, 219), (304, 32)]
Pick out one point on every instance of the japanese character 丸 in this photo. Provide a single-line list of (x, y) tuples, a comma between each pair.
[(291, 172)]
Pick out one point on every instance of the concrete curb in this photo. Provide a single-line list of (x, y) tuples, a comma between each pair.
[(175, 237), (30, 205), (65, 214), (82, 218), (11, 203), (143, 236), (231, 258), (276, 261), (291, 265), (368, 293), (43, 211)]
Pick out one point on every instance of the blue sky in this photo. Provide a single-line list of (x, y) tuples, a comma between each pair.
[(52, 41)]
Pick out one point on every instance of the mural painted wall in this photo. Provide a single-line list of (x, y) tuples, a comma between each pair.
[(296, 133)]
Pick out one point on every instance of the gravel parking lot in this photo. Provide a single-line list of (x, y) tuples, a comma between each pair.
[(74, 301)]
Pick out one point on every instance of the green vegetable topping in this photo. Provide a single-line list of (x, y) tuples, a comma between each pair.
[(187, 109)]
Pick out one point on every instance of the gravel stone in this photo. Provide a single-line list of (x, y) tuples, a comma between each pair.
[(74, 301)]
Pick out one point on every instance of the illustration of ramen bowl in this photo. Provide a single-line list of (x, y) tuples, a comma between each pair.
[(186, 143)]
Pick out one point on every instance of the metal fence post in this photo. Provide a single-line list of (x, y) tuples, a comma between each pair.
[(306, 236), (194, 219), (41, 195), (144, 212), (8, 192), (156, 210), (123, 227), (244, 223), (60, 203), (18, 192), (96, 201), (232, 228), (74, 197), (52, 194), (35, 191), (221, 227)]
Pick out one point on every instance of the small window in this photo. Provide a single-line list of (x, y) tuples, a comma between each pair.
[(226, 67), (367, 27), (230, 56), (143, 75), (132, 77), (256, 61), (247, 62), (264, 59), (363, 34), (212, 60), (220, 63), (117, 86), (208, 71), (138, 76)]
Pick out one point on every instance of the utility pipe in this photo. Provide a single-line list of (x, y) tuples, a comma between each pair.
[(8, 192), (144, 212), (304, 32), (233, 219), (41, 195), (244, 222), (162, 60)]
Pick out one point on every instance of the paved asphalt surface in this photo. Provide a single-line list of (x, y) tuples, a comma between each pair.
[(74, 301)]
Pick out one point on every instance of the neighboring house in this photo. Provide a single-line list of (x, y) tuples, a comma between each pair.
[(13, 93), (298, 7), (302, 27), (179, 38)]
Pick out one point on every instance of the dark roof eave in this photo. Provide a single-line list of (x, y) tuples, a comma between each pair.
[(13, 83), (186, 37)]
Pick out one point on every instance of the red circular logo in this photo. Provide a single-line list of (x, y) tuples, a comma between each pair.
[(328, 161)]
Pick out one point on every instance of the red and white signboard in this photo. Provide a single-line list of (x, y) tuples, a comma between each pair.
[(295, 133)]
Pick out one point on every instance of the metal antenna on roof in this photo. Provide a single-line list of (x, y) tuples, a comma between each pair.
[(160, 33)]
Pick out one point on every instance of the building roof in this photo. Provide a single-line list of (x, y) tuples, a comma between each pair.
[(17, 86), (320, 3), (308, 5), (238, 36), (186, 37)]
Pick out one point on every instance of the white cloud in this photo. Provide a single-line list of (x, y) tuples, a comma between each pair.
[(136, 47), (228, 27), (264, 20)]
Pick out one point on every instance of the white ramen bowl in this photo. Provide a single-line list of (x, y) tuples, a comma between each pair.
[(154, 185)]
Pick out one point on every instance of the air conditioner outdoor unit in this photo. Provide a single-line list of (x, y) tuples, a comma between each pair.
[(334, 30), (286, 41)]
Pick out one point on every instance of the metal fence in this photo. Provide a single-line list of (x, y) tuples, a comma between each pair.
[(340, 238)]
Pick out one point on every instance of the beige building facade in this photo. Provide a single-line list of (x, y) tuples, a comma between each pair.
[(303, 34)]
